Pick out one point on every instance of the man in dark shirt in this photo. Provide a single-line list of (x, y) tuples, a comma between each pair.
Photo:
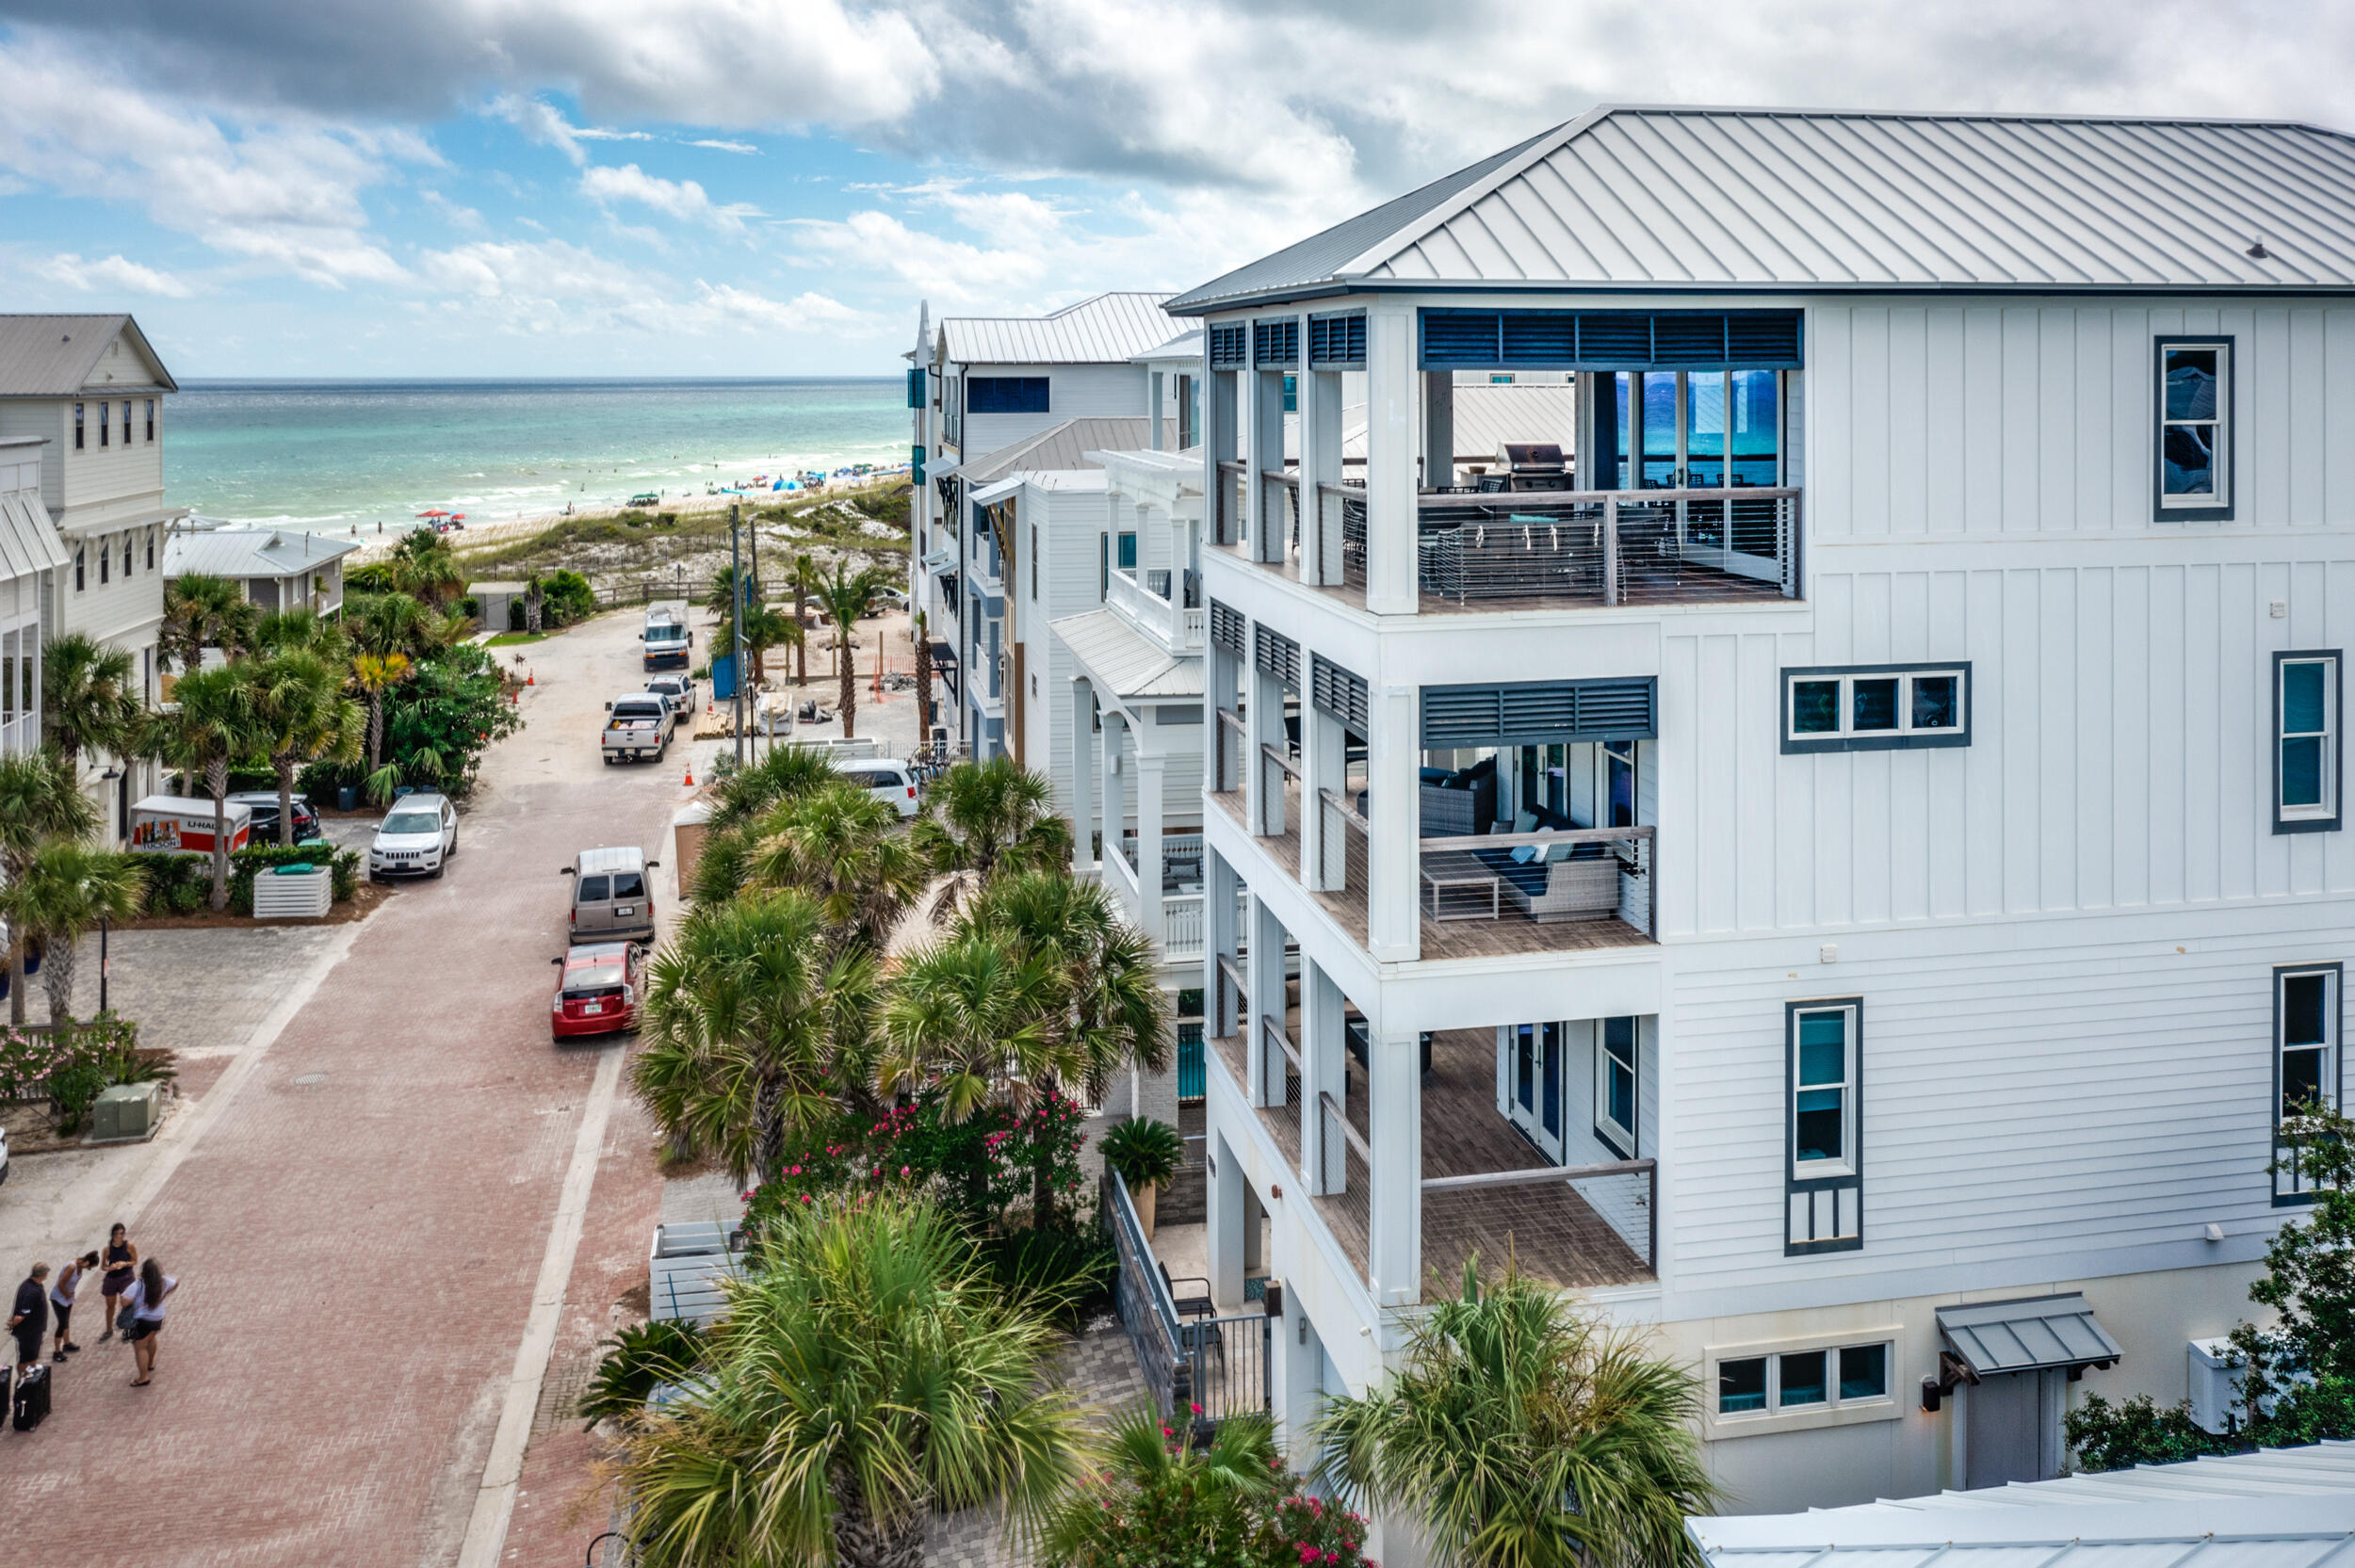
[(29, 1318)]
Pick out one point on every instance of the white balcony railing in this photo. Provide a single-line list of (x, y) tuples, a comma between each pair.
[(1177, 629)]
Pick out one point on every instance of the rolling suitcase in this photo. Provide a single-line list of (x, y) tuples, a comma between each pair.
[(31, 1404)]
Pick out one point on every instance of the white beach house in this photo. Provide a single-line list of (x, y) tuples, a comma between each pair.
[(31, 555), (1844, 861), (92, 389), (278, 569), (979, 386)]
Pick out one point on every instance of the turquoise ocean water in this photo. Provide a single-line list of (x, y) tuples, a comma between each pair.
[(330, 455)]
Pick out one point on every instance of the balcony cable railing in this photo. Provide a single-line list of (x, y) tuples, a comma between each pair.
[(1281, 1060), (1346, 1166), (1551, 889), (1234, 741), (1582, 1177)]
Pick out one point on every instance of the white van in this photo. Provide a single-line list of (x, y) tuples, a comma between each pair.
[(885, 778)]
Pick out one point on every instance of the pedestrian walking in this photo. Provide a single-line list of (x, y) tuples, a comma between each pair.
[(61, 1294), (28, 1319), (123, 1265), (144, 1303)]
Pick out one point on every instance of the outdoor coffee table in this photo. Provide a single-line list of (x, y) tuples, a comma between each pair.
[(1454, 871)]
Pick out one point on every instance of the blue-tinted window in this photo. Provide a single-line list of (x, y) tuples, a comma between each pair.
[(1803, 1380), (1864, 1372), (1740, 1386), (2307, 735), (1005, 394), (2195, 408)]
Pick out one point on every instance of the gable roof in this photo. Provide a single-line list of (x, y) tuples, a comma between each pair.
[(1720, 200), (57, 356), (1110, 329), (252, 552), (1063, 446)]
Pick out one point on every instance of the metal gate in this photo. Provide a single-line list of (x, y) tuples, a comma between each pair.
[(1205, 1366)]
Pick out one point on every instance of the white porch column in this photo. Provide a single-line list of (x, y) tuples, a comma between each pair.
[(1226, 1215), (1308, 403), (1247, 447), (1151, 773), (1268, 1002), (1324, 1054), (1115, 792), (1327, 441), (1296, 1379), (1153, 404), (1324, 765), (1390, 452), (1264, 806), (1222, 933), (1394, 1206), (1083, 764), (1393, 761), (1271, 538)]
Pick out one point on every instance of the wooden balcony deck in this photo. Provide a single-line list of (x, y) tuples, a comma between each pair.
[(1549, 1229), (1510, 933)]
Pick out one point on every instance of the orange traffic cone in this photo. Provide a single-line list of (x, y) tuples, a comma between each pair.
[(529, 679), (690, 776)]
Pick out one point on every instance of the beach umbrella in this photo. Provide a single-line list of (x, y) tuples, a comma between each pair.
[(434, 511)]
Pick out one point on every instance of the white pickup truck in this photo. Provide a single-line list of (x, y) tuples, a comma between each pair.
[(637, 727)]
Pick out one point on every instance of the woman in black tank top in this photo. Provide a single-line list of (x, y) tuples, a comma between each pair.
[(122, 1266)]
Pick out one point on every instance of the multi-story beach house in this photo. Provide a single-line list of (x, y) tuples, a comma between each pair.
[(92, 389), (31, 554), (1843, 865), (978, 386)]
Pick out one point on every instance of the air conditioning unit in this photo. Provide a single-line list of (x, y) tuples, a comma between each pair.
[(128, 1111)]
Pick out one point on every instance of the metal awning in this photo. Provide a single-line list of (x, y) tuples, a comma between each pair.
[(937, 562), (944, 656), (2027, 1335)]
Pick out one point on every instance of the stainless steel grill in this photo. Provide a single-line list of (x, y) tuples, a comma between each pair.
[(1533, 465)]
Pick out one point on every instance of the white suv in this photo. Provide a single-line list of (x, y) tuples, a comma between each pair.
[(886, 779), (416, 838)]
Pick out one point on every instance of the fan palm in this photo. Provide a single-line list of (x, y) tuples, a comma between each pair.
[(1527, 1436), (300, 705), (991, 817), (390, 623), (90, 697), (755, 1024), (978, 1020), (375, 674), (63, 891), (780, 775), (212, 722), (41, 800), (870, 1378), (425, 567), (847, 597), (843, 848), (301, 631), (201, 612)]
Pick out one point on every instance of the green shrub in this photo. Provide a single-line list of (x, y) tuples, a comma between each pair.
[(1065, 1273), (635, 1360), (248, 862), (1147, 1153), (565, 598), (2137, 1432)]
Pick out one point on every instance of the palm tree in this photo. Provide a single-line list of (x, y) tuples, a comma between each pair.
[(1207, 1493), (781, 775), (424, 566), (65, 889), (804, 579), (843, 848), (201, 612), (847, 597), (392, 623), (301, 630), (298, 703), (755, 1023), (90, 697), (984, 818), (1110, 1010), (923, 678), (41, 800), (375, 674), (869, 1378), (1525, 1434), (213, 723), (535, 605)]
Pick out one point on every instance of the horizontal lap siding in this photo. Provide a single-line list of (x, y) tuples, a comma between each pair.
[(2016, 1100)]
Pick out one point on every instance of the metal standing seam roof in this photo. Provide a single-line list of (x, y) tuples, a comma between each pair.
[(2022, 1335), (1129, 664), (1714, 199), (251, 553), (28, 540), (1110, 329), (2278, 1508), (56, 356), (1061, 447)]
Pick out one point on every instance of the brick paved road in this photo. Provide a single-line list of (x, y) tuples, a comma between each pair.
[(360, 1228)]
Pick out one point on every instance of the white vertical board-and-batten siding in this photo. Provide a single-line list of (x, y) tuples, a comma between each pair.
[(1073, 392)]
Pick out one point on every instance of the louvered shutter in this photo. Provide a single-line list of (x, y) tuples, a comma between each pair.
[(1337, 342), (1688, 340), (1340, 693), (1611, 340), (1538, 712), (1230, 345), (1275, 344), (1277, 654), (1226, 628)]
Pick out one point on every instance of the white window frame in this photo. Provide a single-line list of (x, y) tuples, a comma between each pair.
[(1847, 1164), (1847, 738), (2324, 815), (1623, 1139), (1832, 1411), (2217, 503), (2328, 1072)]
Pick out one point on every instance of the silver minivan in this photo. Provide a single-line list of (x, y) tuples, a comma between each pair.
[(612, 896)]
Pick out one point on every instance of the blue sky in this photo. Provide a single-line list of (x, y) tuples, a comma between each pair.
[(516, 188)]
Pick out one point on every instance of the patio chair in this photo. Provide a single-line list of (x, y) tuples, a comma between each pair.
[(1188, 1306)]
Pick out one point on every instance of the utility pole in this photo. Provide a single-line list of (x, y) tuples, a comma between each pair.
[(735, 578)]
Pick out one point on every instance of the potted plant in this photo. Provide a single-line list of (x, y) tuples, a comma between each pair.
[(1146, 1153)]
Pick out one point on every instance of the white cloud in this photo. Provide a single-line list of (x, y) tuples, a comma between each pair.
[(108, 273), (458, 216), (724, 304), (745, 147), (541, 123), (684, 200)]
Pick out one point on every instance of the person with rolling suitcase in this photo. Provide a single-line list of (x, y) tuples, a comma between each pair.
[(29, 1321)]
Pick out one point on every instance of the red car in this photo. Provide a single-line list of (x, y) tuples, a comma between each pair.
[(597, 993)]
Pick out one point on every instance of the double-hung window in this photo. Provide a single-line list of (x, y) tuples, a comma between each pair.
[(2194, 434), (2305, 1064), (151, 419), (1616, 1081), (105, 555), (1822, 1126), (127, 422), (2306, 742), (77, 427), (1790, 1382), (1875, 707)]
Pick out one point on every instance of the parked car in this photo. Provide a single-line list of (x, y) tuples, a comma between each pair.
[(597, 987), (612, 896), (416, 838), (885, 778), (679, 691), (637, 726), (265, 826)]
